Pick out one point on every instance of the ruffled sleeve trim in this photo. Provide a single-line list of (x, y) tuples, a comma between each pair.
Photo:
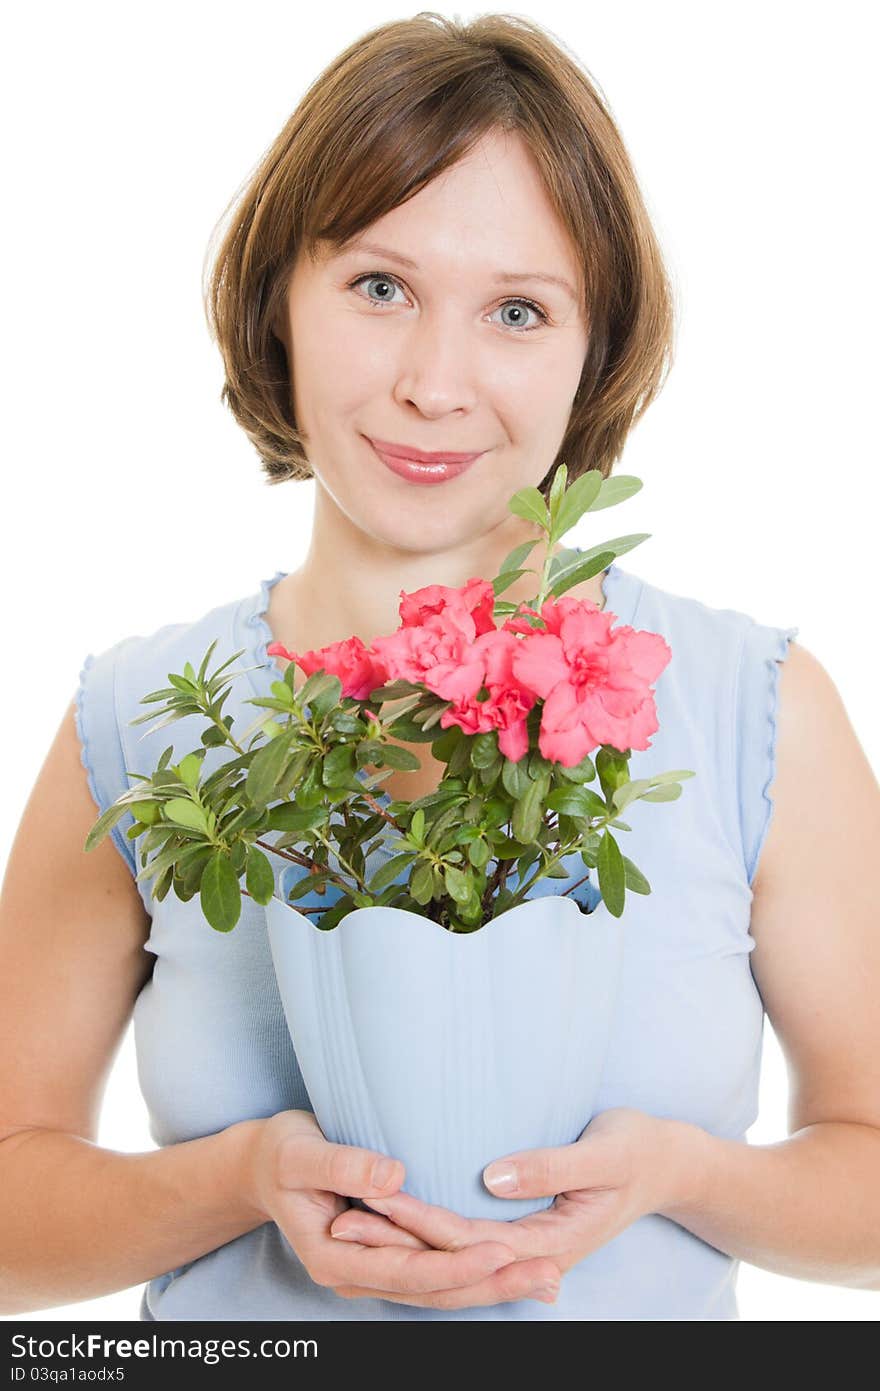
[(779, 640), (90, 759)]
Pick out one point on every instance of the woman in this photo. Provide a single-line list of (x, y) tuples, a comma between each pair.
[(445, 252)]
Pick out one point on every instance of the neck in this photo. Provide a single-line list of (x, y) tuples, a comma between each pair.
[(326, 600)]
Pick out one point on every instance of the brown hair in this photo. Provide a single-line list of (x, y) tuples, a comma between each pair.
[(392, 111)]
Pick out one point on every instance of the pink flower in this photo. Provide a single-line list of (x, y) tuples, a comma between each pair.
[(469, 608), (507, 702), (594, 681), (438, 625), (357, 667)]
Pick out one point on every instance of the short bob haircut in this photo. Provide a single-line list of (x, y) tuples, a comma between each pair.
[(391, 112)]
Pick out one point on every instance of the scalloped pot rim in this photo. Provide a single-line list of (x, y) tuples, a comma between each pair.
[(530, 905)]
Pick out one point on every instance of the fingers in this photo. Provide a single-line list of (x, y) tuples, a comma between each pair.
[(401, 1270), (443, 1229), (307, 1160), (372, 1230), (532, 1279)]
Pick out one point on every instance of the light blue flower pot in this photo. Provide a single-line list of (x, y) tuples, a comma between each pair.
[(448, 1050)]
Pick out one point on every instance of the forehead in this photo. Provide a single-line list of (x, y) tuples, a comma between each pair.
[(487, 214)]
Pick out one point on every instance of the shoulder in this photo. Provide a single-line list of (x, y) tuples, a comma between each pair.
[(719, 650), (809, 700), (693, 620), (139, 658), (824, 790)]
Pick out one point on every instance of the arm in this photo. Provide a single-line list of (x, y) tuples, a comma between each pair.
[(808, 1206), (78, 1221)]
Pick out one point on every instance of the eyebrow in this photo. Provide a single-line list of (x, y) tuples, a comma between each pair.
[(502, 278)]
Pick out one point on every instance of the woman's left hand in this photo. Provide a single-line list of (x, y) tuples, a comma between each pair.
[(624, 1165)]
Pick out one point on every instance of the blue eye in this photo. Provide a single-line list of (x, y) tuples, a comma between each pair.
[(382, 279), (391, 281), (518, 303)]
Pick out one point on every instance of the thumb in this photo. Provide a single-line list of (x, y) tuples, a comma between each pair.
[(538, 1173), (313, 1162)]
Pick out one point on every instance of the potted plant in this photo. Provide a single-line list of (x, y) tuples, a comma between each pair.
[(443, 1010)]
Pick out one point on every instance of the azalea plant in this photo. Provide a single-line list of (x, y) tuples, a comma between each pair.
[(524, 704)]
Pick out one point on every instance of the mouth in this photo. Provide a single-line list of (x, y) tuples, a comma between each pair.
[(420, 467)]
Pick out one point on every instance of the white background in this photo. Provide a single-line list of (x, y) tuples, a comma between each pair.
[(132, 499)]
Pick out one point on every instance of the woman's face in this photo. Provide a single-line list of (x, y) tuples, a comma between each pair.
[(427, 342)]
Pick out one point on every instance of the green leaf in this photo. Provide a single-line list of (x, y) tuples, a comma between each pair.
[(579, 498), (557, 490), (387, 873), (630, 791), (613, 768), (612, 878), (189, 865), (189, 768), (620, 545), (309, 883), (185, 813), (576, 801), (667, 793), (585, 571), (293, 772), (146, 812), (505, 579), (484, 749), (514, 559), (290, 817), (338, 769), (163, 884), (417, 826), (182, 684), (529, 504), (206, 659), (616, 489), (260, 877), (265, 771), (283, 693), (458, 883), (635, 880), (422, 884), (584, 771), (515, 777), (320, 692), (105, 823), (175, 853), (445, 821), (392, 756), (220, 893), (478, 853), (528, 811)]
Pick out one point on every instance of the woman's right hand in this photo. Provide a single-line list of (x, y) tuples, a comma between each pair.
[(301, 1180)]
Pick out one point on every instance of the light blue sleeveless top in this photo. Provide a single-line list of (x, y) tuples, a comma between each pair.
[(212, 1043)]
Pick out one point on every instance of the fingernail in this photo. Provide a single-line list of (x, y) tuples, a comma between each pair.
[(546, 1293), (501, 1178), (383, 1172), (348, 1235), (380, 1204)]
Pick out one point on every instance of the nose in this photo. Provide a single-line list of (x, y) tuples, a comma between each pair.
[(436, 369)]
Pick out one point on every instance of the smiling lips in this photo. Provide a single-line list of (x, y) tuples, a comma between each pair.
[(419, 467)]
